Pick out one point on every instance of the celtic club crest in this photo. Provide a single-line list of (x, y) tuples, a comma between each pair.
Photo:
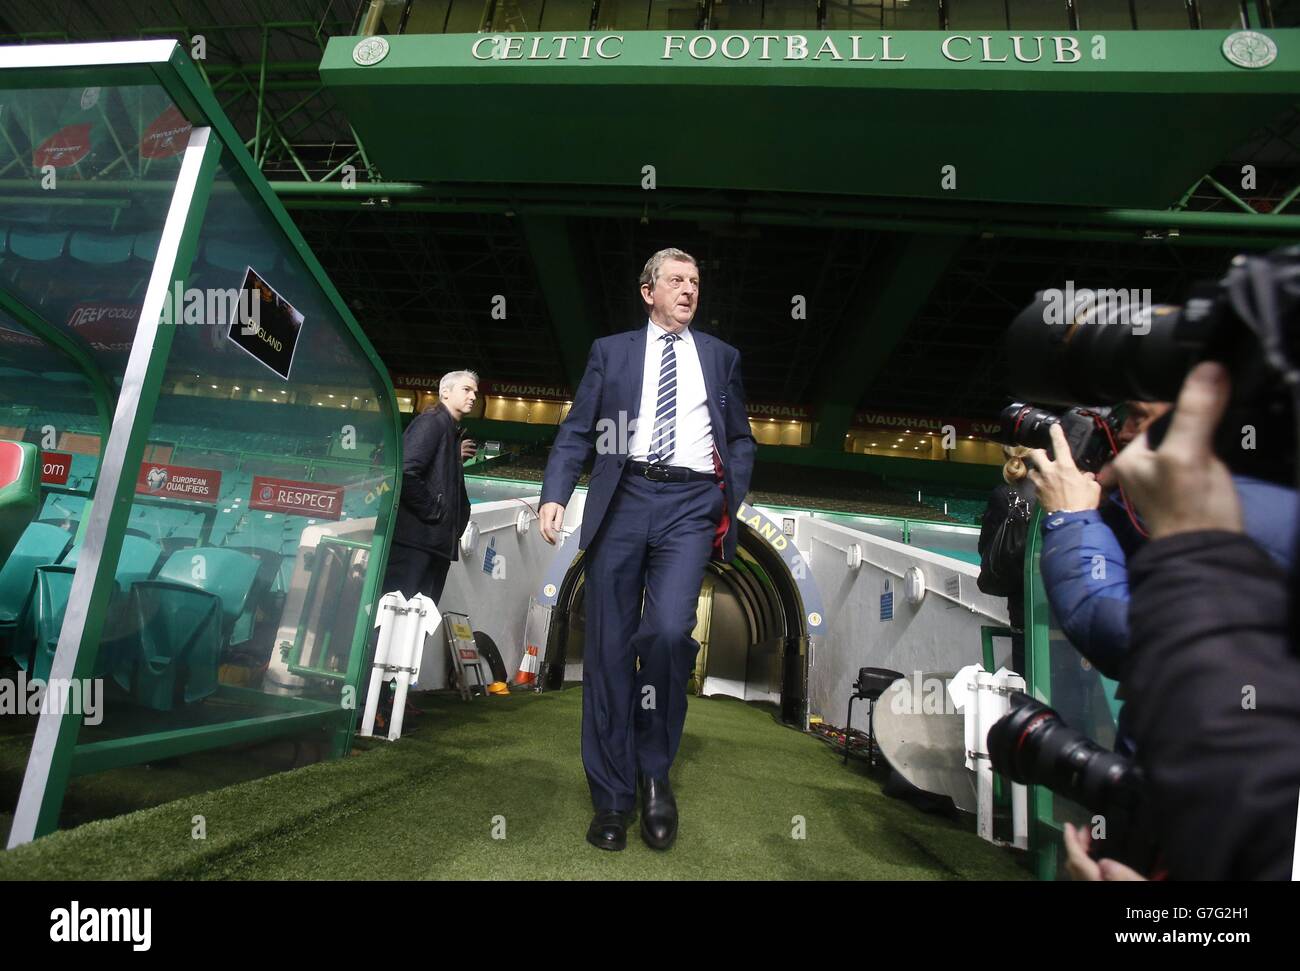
[(1249, 48), (372, 50)]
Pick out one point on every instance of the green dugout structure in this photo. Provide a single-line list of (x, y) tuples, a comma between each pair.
[(182, 546)]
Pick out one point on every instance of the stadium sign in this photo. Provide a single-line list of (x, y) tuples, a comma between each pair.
[(824, 47)]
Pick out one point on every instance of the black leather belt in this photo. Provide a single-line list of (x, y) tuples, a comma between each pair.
[(670, 473)]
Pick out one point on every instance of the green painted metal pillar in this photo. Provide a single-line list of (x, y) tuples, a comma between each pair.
[(1044, 831)]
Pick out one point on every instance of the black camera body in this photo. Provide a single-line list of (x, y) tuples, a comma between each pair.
[(1084, 348), (1090, 432)]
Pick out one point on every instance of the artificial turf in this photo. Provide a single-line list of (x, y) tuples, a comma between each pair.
[(493, 788)]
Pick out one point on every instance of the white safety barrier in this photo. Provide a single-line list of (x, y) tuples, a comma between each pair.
[(403, 624), (985, 699)]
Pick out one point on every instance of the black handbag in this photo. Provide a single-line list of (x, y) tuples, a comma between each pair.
[(1002, 551)]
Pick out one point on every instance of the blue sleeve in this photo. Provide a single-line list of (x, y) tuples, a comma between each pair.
[(740, 441), (1085, 577), (1269, 517), (575, 439)]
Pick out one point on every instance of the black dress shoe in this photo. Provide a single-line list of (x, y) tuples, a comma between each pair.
[(658, 813), (608, 829)]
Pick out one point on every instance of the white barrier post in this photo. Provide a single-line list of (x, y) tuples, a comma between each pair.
[(985, 705), (1010, 681), (422, 619), (391, 609)]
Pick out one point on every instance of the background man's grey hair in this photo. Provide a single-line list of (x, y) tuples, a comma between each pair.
[(450, 379), (650, 274)]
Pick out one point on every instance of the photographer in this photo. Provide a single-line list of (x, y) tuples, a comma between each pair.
[(1213, 680), (1085, 552), (1086, 542)]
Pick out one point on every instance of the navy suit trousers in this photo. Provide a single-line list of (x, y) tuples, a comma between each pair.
[(643, 572)]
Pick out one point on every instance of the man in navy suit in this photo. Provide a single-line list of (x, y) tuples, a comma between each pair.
[(663, 410)]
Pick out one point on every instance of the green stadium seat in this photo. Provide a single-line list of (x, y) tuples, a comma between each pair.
[(182, 623), (31, 245), (100, 248), (41, 545), (175, 653), (38, 630), (59, 506), (228, 574)]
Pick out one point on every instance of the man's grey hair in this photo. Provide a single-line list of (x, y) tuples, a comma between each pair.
[(650, 274), (450, 379)]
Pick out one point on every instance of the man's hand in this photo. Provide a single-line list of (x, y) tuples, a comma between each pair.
[(1061, 486), (1084, 867), (1182, 486), (551, 518), (468, 449)]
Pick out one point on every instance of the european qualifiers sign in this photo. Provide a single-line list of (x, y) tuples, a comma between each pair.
[(178, 482), (296, 498), (269, 328)]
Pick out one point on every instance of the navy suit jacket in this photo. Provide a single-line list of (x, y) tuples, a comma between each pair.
[(609, 399)]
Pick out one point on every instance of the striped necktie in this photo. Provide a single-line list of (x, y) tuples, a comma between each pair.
[(663, 440)]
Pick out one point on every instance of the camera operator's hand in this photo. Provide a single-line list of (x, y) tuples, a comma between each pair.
[(1061, 486), (1183, 486), (1084, 867)]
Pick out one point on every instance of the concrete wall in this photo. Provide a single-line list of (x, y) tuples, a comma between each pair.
[(941, 633), (498, 604)]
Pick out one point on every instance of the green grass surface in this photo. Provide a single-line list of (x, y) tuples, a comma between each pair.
[(426, 808)]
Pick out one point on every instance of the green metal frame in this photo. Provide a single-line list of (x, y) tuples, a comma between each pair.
[(1044, 835), (116, 753), (295, 651), (1175, 226)]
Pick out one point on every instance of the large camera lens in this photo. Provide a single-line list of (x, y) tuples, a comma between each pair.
[(1032, 745), (1022, 424), (1089, 349)]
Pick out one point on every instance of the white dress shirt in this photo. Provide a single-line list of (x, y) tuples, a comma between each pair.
[(694, 435)]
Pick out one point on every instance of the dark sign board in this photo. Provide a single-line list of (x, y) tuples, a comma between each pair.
[(296, 498), (178, 482), (55, 467), (265, 324)]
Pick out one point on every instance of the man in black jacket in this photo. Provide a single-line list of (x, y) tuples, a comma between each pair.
[(434, 507), (1212, 675)]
